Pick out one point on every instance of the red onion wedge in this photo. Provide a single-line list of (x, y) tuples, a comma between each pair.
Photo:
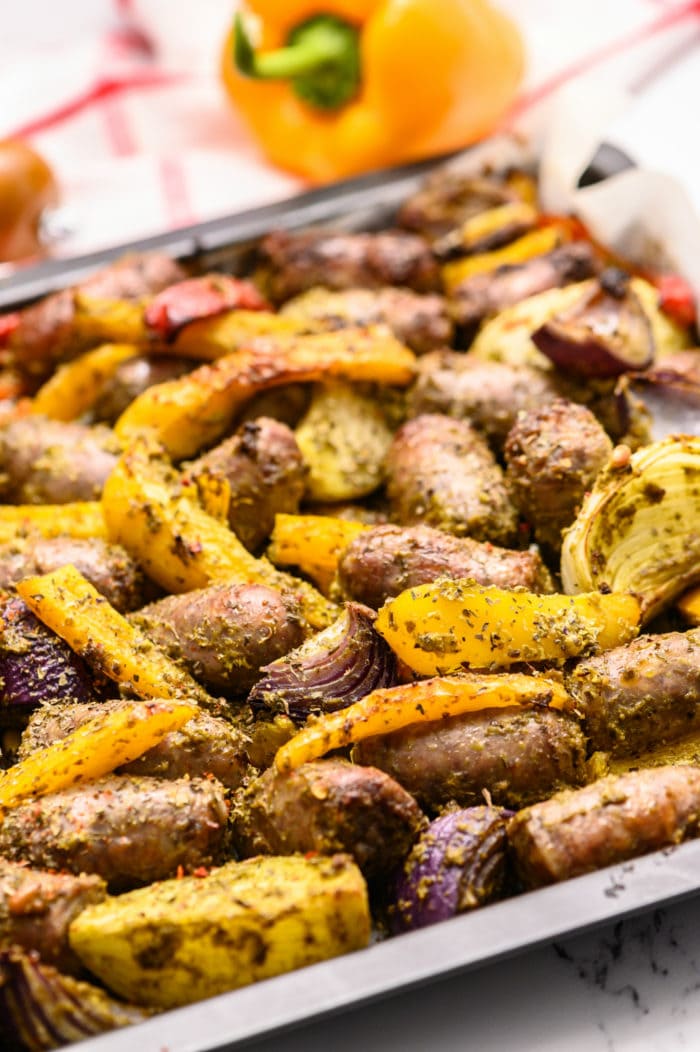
[(459, 863), (330, 671), (35, 665), (605, 333), (41, 1009)]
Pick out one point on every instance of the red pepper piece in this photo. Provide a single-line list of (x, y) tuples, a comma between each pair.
[(8, 324), (199, 298), (676, 298)]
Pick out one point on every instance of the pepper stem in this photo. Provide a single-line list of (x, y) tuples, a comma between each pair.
[(321, 60)]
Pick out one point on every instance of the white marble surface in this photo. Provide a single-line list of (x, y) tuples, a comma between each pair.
[(630, 986)]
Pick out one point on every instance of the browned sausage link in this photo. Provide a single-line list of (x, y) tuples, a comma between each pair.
[(49, 462), (441, 472), (292, 262), (482, 295), (206, 745), (447, 199), (487, 394), (36, 909), (328, 806), (385, 560), (107, 566), (128, 831), (46, 333), (518, 755), (224, 634), (609, 821), (419, 321), (134, 376), (553, 455), (639, 695), (264, 468)]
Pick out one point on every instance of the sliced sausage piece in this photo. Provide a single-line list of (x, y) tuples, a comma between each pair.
[(107, 566), (488, 394), (128, 831), (46, 461), (607, 822), (294, 261), (206, 745), (553, 455), (419, 321), (224, 634), (441, 472), (134, 376), (518, 755), (448, 198), (640, 695), (36, 910), (264, 468), (383, 561), (328, 806), (483, 295)]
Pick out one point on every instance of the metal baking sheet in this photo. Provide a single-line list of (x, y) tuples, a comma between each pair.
[(238, 1019)]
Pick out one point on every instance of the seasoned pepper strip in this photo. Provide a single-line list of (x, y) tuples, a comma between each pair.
[(78, 519), (76, 386), (67, 602), (439, 627), (384, 711), (186, 414), (314, 543), (98, 747), (182, 547)]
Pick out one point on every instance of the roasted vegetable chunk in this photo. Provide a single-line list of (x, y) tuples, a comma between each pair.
[(181, 941)]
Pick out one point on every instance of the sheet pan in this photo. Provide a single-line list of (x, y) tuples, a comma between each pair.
[(236, 1020)]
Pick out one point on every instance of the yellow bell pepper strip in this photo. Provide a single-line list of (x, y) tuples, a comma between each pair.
[(342, 87), (179, 545), (536, 243), (186, 414), (67, 602), (393, 708), (313, 543), (96, 748), (75, 387), (79, 519), (443, 626)]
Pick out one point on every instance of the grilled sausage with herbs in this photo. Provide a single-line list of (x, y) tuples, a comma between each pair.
[(383, 561), (37, 907), (328, 806), (607, 822), (224, 634), (639, 695), (518, 755), (51, 462), (134, 376), (553, 455), (265, 471), (442, 473), (126, 830), (107, 566), (294, 261), (419, 321)]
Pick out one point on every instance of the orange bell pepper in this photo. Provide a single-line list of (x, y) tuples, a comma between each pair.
[(347, 86)]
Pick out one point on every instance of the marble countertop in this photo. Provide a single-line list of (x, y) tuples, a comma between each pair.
[(631, 985)]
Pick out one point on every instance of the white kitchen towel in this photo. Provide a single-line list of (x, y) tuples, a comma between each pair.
[(123, 98)]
